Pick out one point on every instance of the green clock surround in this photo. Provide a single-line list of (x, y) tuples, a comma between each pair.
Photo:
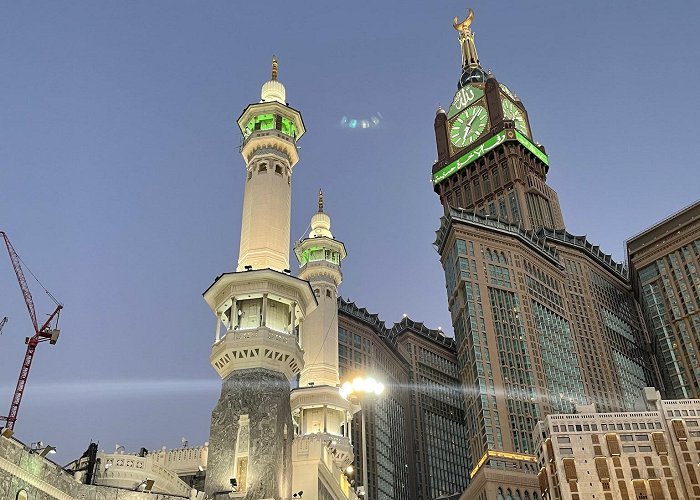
[(468, 126), (512, 112)]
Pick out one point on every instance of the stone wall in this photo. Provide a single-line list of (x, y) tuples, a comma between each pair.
[(262, 395), (42, 479)]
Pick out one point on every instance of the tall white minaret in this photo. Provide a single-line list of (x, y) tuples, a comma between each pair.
[(322, 416), (260, 311), (270, 130)]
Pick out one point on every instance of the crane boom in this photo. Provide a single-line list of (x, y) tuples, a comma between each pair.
[(41, 334), (17, 266), (2, 323)]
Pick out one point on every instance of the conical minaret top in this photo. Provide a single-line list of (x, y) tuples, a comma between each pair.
[(320, 222), (273, 90), (270, 131)]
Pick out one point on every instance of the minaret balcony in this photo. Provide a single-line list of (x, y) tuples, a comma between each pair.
[(327, 447), (260, 347)]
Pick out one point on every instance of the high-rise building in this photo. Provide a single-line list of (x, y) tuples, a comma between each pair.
[(416, 446), (543, 319), (664, 260), (437, 413), (364, 347), (651, 452)]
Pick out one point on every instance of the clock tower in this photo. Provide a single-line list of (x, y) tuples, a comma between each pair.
[(488, 161)]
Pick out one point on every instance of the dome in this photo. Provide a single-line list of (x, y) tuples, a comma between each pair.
[(320, 225), (471, 75), (273, 90)]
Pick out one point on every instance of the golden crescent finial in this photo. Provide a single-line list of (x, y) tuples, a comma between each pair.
[(274, 68), (464, 25), (320, 200)]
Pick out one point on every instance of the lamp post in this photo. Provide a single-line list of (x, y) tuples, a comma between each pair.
[(360, 390)]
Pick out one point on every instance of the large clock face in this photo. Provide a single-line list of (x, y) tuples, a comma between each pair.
[(468, 126), (512, 112)]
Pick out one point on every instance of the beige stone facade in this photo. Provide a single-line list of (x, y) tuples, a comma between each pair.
[(651, 453)]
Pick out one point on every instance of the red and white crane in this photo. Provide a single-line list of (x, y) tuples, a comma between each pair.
[(46, 332)]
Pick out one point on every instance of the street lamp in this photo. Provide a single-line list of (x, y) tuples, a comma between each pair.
[(361, 390)]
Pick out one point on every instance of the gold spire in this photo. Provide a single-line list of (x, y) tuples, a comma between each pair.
[(466, 41), (320, 201), (274, 67)]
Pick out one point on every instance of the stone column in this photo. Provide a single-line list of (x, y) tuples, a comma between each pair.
[(263, 318), (293, 316)]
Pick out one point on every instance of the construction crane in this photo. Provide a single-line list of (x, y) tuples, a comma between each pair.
[(46, 332), (2, 323)]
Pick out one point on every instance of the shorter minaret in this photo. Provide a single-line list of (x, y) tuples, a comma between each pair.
[(322, 415), (319, 258)]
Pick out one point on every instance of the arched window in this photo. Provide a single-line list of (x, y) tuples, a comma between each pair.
[(500, 494), (527, 495), (517, 495), (509, 494), (22, 495)]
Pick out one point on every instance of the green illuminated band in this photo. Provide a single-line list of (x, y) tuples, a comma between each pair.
[(469, 157), (481, 150), (532, 148), (267, 122), (313, 254)]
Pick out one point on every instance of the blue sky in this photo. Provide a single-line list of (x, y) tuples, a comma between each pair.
[(121, 183)]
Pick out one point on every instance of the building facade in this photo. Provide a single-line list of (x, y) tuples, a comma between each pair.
[(664, 260), (543, 319), (652, 452), (416, 443)]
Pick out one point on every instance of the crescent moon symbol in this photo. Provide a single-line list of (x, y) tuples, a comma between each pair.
[(464, 25)]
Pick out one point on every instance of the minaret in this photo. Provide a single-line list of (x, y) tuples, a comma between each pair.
[(319, 258), (260, 311), (322, 415), (270, 130)]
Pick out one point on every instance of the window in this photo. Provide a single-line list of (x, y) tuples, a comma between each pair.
[(22, 495)]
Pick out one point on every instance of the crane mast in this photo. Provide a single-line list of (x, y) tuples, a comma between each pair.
[(41, 334)]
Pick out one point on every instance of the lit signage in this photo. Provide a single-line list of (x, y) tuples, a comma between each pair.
[(484, 148), (469, 157), (501, 454), (463, 98), (532, 148)]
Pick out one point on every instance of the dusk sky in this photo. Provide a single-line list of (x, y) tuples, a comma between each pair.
[(121, 183)]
